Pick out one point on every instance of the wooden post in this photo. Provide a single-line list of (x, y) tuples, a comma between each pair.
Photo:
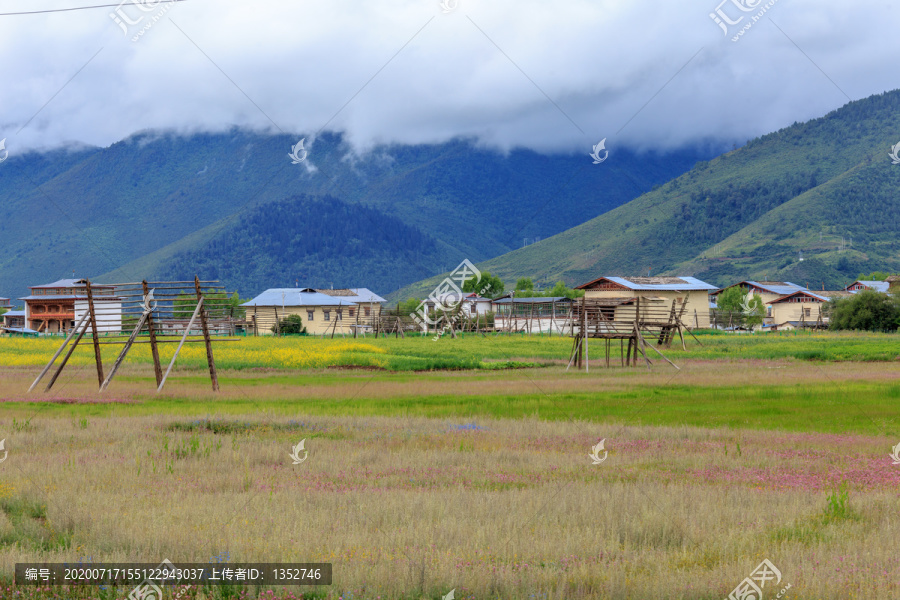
[(214, 378), (66, 358), (121, 357), (255, 322), (154, 349), (98, 358), (586, 356), (183, 338), (58, 352), (356, 329), (531, 318)]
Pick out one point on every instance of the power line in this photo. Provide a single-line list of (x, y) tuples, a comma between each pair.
[(56, 10)]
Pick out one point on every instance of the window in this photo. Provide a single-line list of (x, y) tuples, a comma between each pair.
[(350, 311), (327, 315), (367, 310), (309, 315), (807, 311)]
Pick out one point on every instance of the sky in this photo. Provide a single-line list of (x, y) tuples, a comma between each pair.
[(549, 76)]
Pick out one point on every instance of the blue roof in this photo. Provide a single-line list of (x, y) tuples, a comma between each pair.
[(878, 286), (782, 288), (657, 284), (297, 297), (14, 313)]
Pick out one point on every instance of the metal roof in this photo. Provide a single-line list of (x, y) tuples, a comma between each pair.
[(296, 297), (19, 330), (14, 313), (777, 287), (781, 288), (878, 286), (68, 283), (657, 284)]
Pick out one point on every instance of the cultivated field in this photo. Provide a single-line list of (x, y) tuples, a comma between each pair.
[(475, 477)]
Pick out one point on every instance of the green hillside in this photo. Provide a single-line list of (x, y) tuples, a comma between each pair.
[(128, 211), (803, 192)]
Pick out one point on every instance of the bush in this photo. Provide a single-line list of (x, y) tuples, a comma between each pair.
[(867, 310), (290, 325)]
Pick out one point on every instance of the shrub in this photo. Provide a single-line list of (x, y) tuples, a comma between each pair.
[(290, 325), (867, 310)]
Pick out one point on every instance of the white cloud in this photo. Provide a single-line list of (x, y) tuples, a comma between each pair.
[(299, 63)]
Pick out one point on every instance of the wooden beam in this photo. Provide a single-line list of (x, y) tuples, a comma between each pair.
[(58, 352), (98, 358), (187, 330), (62, 365), (154, 350), (213, 376), (123, 353)]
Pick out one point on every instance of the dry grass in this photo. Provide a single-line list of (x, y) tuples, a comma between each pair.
[(410, 507)]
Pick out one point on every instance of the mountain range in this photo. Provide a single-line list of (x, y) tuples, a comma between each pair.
[(815, 203), (234, 206)]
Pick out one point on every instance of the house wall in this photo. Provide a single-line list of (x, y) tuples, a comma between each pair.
[(265, 318), (697, 302), (108, 312), (795, 311)]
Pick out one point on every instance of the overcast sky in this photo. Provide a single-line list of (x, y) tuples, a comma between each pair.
[(551, 76)]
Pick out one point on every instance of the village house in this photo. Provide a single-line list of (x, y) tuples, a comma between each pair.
[(321, 312), (655, 293), (368, 303), (57, 307), (878, 286), (14, 322), (471, 304), (768, 291), (802, 308), (5, 303)]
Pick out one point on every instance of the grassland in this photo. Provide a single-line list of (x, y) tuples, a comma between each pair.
[(478, 480)]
